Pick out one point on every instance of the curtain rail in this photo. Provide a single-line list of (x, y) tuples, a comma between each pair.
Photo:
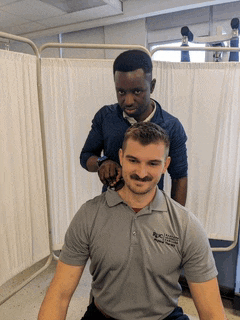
[(92, 46), (20, 39), (215, 49), (39, 91)]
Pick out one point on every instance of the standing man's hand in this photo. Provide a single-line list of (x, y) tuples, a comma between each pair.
[(110, 173)]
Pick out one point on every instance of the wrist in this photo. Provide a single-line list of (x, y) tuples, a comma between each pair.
[(100, 160)]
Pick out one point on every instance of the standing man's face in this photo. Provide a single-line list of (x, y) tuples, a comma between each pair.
[(133, 93)]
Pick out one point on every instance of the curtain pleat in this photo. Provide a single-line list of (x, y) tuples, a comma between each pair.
[(24, 225)]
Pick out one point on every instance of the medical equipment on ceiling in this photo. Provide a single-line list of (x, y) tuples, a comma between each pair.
[(218, 40)]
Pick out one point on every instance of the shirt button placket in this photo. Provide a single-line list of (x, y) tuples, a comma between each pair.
[(134, 231)]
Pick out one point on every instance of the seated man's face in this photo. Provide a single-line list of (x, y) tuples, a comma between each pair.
[(133, 93), (143, 166)]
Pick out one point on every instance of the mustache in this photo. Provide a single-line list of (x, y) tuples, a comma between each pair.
[(136, 177)]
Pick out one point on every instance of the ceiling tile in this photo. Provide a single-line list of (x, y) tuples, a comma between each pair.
[(74, 5), (32, 10), (5, 2), (80, 16), (24, 28), (7, 19)]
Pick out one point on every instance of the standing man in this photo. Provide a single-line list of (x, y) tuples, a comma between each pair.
[(138, 240), (134, 84)]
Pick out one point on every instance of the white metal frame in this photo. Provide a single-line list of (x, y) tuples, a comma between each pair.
[(35, 49), (216, 49)]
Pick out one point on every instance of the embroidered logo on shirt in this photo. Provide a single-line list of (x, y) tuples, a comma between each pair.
[(166, 238)]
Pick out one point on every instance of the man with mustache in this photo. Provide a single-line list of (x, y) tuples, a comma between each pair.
[(138, 240), (134, 84)]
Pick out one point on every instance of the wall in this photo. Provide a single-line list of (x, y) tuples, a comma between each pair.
[(133, 32), (25, 48), (95, 35)]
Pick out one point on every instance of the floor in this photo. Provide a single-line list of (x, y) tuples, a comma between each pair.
[(25, 304)]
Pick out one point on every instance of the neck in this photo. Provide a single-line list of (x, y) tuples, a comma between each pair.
[(144, 116), (136, 200)]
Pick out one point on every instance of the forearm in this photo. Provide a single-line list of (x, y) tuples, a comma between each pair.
[(217, 315), (207, 299), (92, 165), (59, 294), (179, 190), (212, 317), (53, 307)]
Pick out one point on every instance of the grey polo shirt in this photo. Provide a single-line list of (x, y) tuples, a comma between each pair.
[(136, 259)]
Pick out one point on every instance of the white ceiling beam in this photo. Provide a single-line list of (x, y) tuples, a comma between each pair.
[(132, 10), (117, 4)]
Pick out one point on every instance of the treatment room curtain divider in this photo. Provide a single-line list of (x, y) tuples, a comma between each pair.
[(73, 91), (24, 224), (205, 98)]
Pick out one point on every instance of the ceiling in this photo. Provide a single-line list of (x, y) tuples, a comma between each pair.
[(37, 18), (21, 17)]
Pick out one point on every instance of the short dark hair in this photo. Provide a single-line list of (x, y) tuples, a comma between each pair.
[(147, 133), (132, 60)]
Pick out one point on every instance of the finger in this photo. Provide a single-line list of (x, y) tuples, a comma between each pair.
[(112, 172), (101, 174), (119, 174), (105, 175)]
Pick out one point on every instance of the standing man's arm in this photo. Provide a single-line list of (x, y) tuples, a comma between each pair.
[(207, 299), (59, 294), (179, 190), (178, 168), (110, 172)]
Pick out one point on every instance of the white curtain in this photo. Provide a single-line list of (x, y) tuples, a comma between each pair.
[(206, 99), (73, 91), (203, 96), (24, 224)]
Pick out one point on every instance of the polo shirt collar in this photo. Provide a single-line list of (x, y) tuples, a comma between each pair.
[(131, 120), (112, 198), (158, 203)]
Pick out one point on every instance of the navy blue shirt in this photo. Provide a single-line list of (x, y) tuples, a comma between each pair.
[(109, 127)]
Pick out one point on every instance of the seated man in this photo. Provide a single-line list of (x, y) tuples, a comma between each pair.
[(138, 240)]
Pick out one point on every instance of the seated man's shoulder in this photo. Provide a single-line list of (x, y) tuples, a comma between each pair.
[(103, 201), (180, 212), (96, 201)]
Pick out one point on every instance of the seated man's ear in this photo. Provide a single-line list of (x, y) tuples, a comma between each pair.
[(120, 155), (166, 165)]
